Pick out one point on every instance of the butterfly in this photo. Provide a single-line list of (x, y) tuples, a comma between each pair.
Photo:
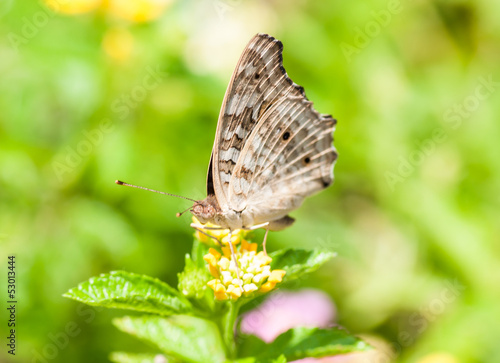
[(272, 149)]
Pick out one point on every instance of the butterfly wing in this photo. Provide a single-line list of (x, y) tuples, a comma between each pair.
[(259, 81), (288, 156)]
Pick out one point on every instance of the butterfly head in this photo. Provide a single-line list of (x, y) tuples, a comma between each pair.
[(205, 210)]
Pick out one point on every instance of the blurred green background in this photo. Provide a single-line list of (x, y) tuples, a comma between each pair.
[(91, 92)]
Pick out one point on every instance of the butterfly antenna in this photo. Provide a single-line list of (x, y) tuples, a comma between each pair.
[(181, 213), (152, 190)]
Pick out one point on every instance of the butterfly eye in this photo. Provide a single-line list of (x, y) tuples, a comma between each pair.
[(286, 135), (307, 160), (209, 210), (257, 76)]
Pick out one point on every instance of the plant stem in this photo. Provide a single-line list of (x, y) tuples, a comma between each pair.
[(228, 321)]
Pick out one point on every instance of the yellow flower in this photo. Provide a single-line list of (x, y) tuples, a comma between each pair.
[(132, 10), (439, 357), (276, 276), (118, 43), (138, 10), (255, 274), (220, 234), (219, 289), (73, 6), (211, 258)]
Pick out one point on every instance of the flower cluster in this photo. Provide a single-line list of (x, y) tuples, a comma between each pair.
[(254, 271), (221, 235)]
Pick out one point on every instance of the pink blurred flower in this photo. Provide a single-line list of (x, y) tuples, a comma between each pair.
[(287, 309)]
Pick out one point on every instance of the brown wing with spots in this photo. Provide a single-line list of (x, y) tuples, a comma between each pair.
[(288, 157), (258, 82)]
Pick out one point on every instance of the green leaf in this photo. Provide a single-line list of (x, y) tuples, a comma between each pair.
[(249, 345), (199, 250), (185, 337), (280, 359), (125, 290), (297, 262), (122, 357), (298, 343)]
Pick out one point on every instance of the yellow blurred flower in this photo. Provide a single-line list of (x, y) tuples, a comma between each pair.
[(254, 271), (137, 10), (222, 235), (118, 44), (73, 6), (439, 357)]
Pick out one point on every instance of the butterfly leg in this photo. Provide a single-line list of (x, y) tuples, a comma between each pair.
[(264, 242), (194, 225), (257, 226), (231, 247), (206, 234)]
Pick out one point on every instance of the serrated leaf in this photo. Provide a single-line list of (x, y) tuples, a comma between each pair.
[(185, 337), (125, 290), (298, 343), (297, 262)]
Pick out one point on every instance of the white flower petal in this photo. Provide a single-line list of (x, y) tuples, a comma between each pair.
[(250, 287)]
